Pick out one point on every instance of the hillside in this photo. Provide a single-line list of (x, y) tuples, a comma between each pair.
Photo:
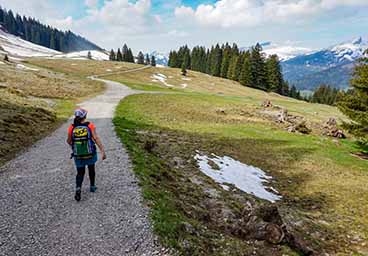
[(32, 30), (202, 125), (34, 102)]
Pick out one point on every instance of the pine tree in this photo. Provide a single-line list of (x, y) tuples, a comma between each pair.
[(89, 55), (130, 57), (226, 60), (140, 58), (125, 53), (147, 60), (119, 56), (216, 60), (6, 58), (355, 104), (274, 74), (112, 56), (259, 73), (246, 71), (153, 61), (231, 73)]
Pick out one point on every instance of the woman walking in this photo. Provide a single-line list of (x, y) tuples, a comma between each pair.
[(82, 137)]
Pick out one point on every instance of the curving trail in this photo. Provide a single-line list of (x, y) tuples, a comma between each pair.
[(38, 214)]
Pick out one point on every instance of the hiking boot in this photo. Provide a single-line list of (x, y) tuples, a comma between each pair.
[(93, 189), (77, 196)]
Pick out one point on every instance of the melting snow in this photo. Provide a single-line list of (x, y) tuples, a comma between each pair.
[(186, 79), (17, 46), (108, 70), (83, 55), (2, 63), (21, 66), (162, 78), (184, 85), (247, 178)]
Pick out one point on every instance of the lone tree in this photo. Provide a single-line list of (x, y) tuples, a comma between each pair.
[(6, 58), (354, 104), (153, 61), (89, 56)]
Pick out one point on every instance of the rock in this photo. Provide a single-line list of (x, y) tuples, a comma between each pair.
[(267, 104), (282, 116), (331, 122), (302, 128)]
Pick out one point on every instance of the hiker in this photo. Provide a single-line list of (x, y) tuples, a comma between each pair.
[(82, 137)]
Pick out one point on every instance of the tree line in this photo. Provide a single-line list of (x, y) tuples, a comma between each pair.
[(325, 94), (251, 68), (126, 55), (33, 31)]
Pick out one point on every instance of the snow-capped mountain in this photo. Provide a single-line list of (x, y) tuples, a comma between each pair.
[(161, 58), (17, 47), (284, 52), (332, 65)]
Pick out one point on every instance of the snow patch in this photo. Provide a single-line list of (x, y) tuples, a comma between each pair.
[(162, 78), (247, 178), (186, 79), (2, 63), (108, 70), (83, 55), (21, 66), (16, 46), (184, 86)]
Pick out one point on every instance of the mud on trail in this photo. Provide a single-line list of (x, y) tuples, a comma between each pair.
[(38, 214)]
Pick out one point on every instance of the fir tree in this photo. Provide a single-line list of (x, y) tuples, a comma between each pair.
[(140, 58), (6, 58), (89, 55), (231, 73), (112, 56), (125, 53), (119, 56), (355, 103), (147, 60), (184, 66), (153, 61), (130, 57), (226, 60), (246, 71), (216, 60), (274, 74), (259, 73)]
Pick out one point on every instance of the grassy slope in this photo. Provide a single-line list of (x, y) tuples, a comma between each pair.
[(34, 103), (322, 183)]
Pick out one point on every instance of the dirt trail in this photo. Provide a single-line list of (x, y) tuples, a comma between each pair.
[(38, 214)]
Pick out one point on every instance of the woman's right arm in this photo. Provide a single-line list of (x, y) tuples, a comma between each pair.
[(99, 144)]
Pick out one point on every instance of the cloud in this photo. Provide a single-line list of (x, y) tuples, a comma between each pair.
[(241, 13), (92, 4), (63, 24)]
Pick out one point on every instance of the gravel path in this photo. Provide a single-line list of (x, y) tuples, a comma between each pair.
[(38, 214)]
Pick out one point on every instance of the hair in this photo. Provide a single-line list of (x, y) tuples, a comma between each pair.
[(78, 120)]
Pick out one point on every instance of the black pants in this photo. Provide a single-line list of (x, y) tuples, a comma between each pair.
[(81, 172)]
